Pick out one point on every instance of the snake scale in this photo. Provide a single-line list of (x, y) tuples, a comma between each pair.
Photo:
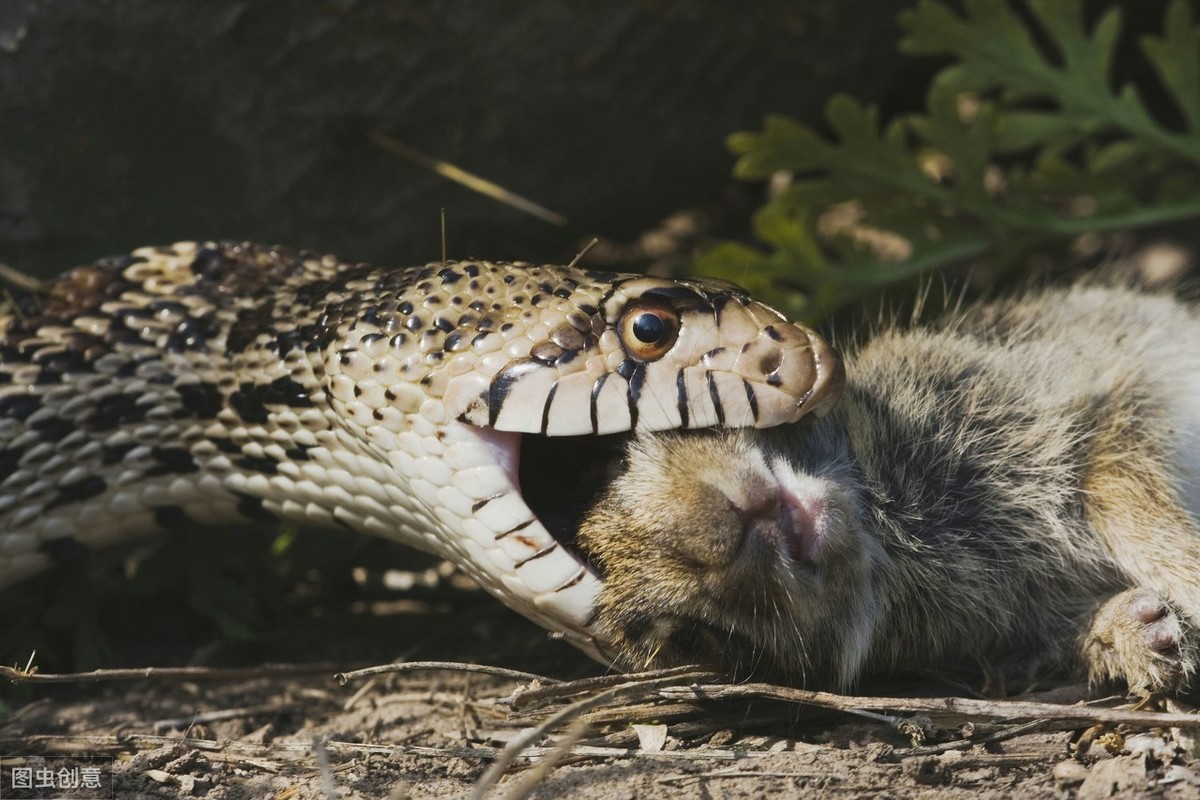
[(224, 381)]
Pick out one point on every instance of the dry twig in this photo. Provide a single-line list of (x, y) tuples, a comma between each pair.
[(451, 666), (31, 675), (1010, 710), (461, 176), (529, 736), (527, 698)]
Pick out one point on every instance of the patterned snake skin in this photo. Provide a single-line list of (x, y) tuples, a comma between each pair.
[(220, 382)]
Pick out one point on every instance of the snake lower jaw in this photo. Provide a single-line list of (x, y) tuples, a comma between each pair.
[(526, 551)]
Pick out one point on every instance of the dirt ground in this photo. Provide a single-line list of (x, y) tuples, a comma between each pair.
[(268, 733)]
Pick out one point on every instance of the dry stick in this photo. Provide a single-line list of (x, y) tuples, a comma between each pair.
[(461, 176), (453, 666), (583, 252), (545, 766), (528, 697), (741, 773), (958, 706), (29, 675), (166, 673), (531, 735), (322, 758), (1011, 732), (213, 716), (20, 279)]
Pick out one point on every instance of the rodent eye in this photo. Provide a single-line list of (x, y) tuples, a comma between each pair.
[(648, 331)]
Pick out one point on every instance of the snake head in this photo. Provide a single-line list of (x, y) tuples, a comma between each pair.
[(522, 367), (484, 388), (588, 353)]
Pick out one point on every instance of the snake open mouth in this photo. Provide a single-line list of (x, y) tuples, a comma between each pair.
[(560, 478)]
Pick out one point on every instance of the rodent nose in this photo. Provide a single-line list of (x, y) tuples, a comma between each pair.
[(782, 522)]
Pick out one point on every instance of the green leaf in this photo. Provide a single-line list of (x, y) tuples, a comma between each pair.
[(1176, 57), (1027, 138)]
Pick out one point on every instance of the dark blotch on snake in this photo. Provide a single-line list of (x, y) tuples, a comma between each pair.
[(502, 384), (202, 399), (62, 549), (10, 459), (522, 526), (208, 264), (370, 315), (770, 362), (54, 429), (249, 324), (226, 445), (19, 406), (77, 492), (57, 363), (636, 378), (192, 334), (114, 453), (546, 352), (567, 337), (681, 398), (172, 461), (246, 402), (751, 398), (715, 396), (284, 391), (266, 466), (117, 409), (298, 453), (287, 341), (252, 508), (594, 411)]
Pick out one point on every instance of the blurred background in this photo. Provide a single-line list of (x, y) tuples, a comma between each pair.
[(133, 122)]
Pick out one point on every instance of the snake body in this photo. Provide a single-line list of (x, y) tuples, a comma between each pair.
[(222, 381)]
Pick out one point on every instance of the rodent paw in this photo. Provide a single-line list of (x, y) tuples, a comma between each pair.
[(1138, 637)]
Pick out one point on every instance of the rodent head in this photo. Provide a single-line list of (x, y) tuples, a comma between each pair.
[(717, 548)]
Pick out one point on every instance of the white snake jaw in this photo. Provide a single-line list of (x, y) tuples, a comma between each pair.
[(537, 571)]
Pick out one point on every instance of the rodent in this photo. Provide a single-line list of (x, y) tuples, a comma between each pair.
[(1012, 490)]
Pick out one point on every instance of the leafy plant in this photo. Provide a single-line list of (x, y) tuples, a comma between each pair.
[(1025, 140)]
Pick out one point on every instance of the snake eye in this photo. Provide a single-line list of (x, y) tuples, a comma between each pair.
[(648, 331)]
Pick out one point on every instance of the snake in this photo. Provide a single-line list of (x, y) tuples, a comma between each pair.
[(228, 381)]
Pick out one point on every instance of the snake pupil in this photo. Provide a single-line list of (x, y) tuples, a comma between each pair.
[(649, 328)]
